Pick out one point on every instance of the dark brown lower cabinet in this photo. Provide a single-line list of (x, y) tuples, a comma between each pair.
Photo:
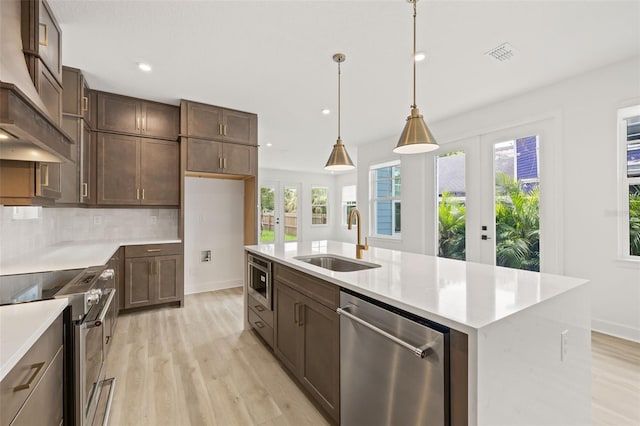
[(307, 342), (152, 277), (114, 283)]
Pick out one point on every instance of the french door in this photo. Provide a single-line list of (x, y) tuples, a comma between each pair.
[(279, 219), (493, 206)]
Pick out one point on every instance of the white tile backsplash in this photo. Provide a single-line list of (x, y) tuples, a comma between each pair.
[(21, 237)]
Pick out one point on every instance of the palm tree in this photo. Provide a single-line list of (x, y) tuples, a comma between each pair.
[(634, 220), (517, 225), (451, 228)]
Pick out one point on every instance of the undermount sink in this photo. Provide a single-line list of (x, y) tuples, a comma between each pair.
[(337, 263)]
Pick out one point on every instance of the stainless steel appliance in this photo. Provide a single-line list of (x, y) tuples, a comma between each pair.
[(89, 298), (394, 366), (259, 282)]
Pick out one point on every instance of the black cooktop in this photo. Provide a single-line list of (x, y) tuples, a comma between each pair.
[(31, 287)]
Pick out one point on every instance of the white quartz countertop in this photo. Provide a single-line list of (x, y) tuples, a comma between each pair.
[(71, 255), (456, 293), (21, 325)]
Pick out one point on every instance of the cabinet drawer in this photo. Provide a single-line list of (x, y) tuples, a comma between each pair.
[(44, 405), (318, 290), (264, 330), (151, 250), (29, 370), (259, 309)]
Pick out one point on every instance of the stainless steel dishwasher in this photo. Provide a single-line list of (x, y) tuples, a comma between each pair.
[(394, 367)]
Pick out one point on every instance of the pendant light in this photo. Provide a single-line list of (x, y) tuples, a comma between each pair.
[(339, 160), (415, 137)]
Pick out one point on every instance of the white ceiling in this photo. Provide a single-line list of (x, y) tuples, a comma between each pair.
[(274, 58)]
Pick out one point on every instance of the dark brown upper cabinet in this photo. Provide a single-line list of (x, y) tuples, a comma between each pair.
[(218, 157), (137, 171), (212, 122), (79, 177), (41, 38), (76, 98), (122, 114)]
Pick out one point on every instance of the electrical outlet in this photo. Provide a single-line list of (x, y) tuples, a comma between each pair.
[(564, 345), (97, 220)]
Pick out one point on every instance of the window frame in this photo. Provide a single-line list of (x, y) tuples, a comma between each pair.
[(345, 204), (395, 199), (326, 205), (625, 183)]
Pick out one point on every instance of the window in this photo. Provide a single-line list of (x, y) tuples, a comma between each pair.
[(385, 199), (319, 206), (629, 136), (348, 203)]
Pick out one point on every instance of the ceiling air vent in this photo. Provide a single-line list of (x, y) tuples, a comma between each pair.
[(502, 53)]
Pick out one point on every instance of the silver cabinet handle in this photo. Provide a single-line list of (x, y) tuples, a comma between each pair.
[(220, 163), (85, 103), (137, 123), (224, 163), (259, 308), (259, 324), (224, 133), (220, 130), (143, 193), (137, 193), (85, 190), (420, 352), (153, 250), (107, 274)]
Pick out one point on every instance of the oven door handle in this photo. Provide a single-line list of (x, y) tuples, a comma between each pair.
[(103, 313)]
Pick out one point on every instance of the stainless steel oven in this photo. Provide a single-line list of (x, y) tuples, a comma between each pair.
[(259, 283)]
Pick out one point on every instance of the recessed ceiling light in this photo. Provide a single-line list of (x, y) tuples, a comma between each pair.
[(269, 144), (3, 136), (420, 56), (144, 67), (326, 111)]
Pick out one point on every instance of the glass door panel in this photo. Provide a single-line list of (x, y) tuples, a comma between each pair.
[(452, 219), (267, 214), (291, 222)]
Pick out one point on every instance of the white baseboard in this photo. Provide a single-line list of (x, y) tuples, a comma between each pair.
[(193, 288), (614, 329)]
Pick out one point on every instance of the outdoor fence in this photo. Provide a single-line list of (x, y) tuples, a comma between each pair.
[(268, 221)]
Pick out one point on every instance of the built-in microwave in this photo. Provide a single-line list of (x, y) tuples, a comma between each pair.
[(259, 280)]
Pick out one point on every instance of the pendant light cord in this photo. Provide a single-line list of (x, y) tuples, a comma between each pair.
[(339, 100), (415, 2)]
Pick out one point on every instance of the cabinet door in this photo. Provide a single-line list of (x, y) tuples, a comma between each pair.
[(50, 39), (159, 120), (287, 340), (87, 165), (159, 172), (69, 172), (204, 120), (50, 92), (117, 163), (240, 127), (50, 181), (139, 283), (204, 156), (168, 270), (320, 372), (239, 159), (118, 114)]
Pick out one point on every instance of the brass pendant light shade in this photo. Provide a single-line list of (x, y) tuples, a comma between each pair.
[(415, 137), (339, 159)]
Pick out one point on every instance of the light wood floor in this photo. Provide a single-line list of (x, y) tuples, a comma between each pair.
[(196, 366)]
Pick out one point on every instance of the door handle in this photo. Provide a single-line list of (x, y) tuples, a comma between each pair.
[(419, 351), (300, 313), (296, 313), (486, 237)]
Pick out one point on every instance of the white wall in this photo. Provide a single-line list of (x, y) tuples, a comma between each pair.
[(585, 109), (214, 211), (21, 237), (307, 231)]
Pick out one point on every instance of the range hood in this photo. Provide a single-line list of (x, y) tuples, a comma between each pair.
[(27, 133)]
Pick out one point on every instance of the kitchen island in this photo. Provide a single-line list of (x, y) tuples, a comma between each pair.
[(528, 333)]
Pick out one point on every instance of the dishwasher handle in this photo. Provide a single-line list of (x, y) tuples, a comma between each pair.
[(419, 351)]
